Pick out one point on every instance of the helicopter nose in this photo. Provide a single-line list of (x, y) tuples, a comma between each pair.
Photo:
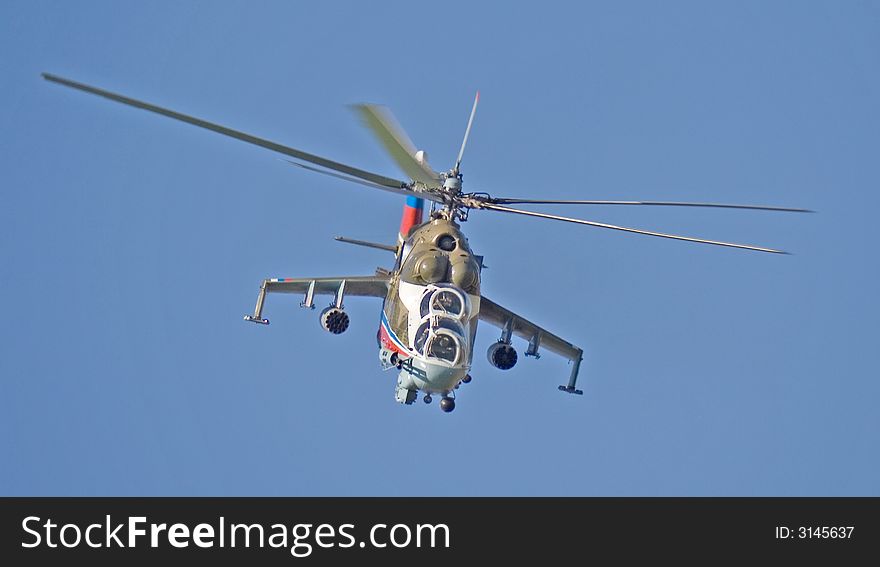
[(437, 378)]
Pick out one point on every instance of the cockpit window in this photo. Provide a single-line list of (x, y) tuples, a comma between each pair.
[(444, 348), (447, 323), (421, 337), (425, 306), (441, 301), (447, 302)]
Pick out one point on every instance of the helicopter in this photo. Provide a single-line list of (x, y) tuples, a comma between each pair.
[(432, 299)]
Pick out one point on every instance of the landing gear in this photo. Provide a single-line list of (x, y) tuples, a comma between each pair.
[(447, 404), (467, 379), (428, 399)]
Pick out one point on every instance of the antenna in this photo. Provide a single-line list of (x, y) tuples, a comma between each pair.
[(467, 132)]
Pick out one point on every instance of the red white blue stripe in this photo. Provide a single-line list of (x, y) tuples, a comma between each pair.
[(412, 215), (389, 340)]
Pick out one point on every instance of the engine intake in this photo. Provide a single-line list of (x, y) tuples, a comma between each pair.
[(502, 356), (334, 320)]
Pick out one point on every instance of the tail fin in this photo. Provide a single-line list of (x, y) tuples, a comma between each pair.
[(413, 211)]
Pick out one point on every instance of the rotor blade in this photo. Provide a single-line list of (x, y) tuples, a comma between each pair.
[(376, 245), (323, 162), (467, 132), (389, 132), (653, 203), (399, 190), (625, 229)]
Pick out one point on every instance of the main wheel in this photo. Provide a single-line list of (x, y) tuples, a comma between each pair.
[(427, 399), (467, 379)]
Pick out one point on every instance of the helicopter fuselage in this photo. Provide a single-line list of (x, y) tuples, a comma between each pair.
[(429, 317)]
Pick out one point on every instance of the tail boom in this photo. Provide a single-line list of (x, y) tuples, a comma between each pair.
[(413, 212)]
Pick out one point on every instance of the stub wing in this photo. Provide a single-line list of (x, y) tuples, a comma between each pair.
[(539, 338), (369, 286), (365, 286)]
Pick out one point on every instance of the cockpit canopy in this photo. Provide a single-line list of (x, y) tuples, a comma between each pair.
[(447, 301), (440, 337), (445, 347)]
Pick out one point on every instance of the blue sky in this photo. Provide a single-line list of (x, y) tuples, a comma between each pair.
[(132, 245)]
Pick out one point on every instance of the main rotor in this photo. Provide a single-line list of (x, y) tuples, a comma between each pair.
[(442, 189), (445, 189)]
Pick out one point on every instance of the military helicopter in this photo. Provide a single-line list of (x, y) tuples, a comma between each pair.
[(432, 298)]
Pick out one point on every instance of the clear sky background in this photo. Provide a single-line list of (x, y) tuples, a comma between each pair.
[(131, 245)]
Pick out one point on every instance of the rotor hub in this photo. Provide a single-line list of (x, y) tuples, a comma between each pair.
[(452, 184)]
